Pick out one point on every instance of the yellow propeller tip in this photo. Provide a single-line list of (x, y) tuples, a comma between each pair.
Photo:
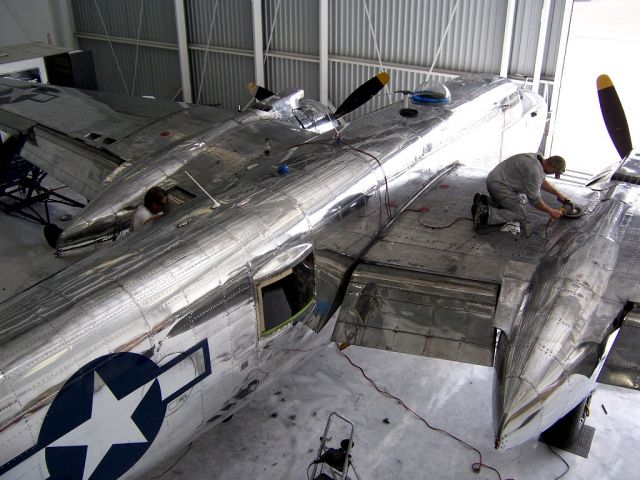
[(604, 82), (253, 88), (383, 77)]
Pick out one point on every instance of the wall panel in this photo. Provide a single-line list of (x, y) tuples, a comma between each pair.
[(232, 26), (408, 34), (224, 83), (157, 69), (122, 17)]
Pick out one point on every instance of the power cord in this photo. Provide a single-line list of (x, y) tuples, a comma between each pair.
[(442, 227), (476, 466), (563, 461), (451, 224)]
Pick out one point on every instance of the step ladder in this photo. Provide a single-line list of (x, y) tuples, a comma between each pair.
[(332, 457)]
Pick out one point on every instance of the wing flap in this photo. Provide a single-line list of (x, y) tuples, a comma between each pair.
[(78, 166), (419, 313), (13, 124), (622, 367)]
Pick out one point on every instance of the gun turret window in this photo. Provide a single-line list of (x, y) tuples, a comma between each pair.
[(287, 296)]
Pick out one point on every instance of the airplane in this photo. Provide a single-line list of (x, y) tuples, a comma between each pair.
[(128, 354)]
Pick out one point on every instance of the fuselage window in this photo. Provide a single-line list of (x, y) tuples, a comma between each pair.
[(287, 296)]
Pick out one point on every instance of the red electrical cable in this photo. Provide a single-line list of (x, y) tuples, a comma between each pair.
[(476, 466)]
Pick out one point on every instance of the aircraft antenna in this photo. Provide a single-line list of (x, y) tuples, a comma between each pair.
[(331, 120), (215, 203)]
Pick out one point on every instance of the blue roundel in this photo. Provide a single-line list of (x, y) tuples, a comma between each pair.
[(82, 426)]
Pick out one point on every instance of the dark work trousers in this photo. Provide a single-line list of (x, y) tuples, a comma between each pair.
[(505, 205)]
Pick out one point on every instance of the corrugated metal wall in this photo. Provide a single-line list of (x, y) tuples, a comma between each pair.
[(408, 34), (220, 24), (227, 21), (157, 72), (224, 81), (294, 24), (291, 26), (121, 18)]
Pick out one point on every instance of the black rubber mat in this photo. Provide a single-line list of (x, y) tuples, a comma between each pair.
[(581, 445)]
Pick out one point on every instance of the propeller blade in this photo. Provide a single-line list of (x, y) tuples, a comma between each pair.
[(260, 93), (613, 115), (362, 94)]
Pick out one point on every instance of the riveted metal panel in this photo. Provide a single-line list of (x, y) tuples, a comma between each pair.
[(622, 368), (418, 313), (232, 24), (224, 83), (121, 18), (293, 26), (157, 69)]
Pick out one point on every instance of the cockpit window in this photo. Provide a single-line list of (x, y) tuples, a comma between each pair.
[(287, 296)]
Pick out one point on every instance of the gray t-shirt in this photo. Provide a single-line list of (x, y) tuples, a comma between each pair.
[(521, 173)]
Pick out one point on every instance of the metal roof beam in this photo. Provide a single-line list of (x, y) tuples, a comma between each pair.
[(258, 48), (542, 44), (183, 51), (324, 51), (508, 39)]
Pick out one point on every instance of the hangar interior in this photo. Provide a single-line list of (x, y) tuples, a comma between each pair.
[(206, 52)]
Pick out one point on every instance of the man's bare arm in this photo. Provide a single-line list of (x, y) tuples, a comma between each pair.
[(547, 187), (543, 207)]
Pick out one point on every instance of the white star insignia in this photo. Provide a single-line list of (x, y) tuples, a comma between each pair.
[(110, 424), (15, 94)]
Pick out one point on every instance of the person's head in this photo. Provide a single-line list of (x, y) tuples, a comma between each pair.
[(554, 164), (155, 200)]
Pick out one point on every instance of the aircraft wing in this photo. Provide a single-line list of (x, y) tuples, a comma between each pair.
[(80, 137), (442, 291), (622, 367)]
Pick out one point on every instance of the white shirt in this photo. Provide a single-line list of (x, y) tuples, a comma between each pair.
[(141, 216)]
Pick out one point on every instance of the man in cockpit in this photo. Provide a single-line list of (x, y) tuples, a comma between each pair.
[(154, 206), (510, 184)]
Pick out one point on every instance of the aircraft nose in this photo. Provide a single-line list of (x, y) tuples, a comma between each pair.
[(73, 232), (517, 412)]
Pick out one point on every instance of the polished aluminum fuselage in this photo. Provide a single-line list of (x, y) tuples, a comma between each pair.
[(185, 287)]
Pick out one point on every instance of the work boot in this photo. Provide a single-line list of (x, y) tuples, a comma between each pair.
[(481, 216), (511, 227), (478, 199)]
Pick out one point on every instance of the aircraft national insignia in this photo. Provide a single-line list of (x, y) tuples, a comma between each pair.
[(106, 416), (38, 94)]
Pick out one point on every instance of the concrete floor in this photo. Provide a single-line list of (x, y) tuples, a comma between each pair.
[(389, 442)]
